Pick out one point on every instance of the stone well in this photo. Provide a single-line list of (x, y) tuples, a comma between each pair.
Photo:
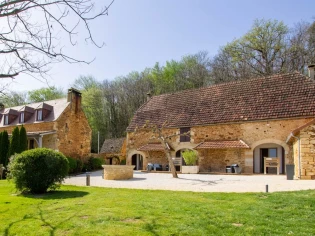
[(118, 172)]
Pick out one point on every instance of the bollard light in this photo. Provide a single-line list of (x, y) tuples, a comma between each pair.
[(88, 178)]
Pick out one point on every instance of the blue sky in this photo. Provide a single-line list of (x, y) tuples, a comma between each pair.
[(139, 33)]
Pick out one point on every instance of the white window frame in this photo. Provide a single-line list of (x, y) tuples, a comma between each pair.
[(39, 115), (22, 117), (6, 120)]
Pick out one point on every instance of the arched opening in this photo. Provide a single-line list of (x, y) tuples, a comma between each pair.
[(181, 162), (137, 161), (268, 150)]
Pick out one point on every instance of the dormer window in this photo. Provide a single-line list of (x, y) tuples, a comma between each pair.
[(6, 120), (39, 116), (43, 111), (22, 118), (25, 114), (10, 116)]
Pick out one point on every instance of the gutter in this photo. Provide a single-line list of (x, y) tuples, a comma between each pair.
[(299, 141)]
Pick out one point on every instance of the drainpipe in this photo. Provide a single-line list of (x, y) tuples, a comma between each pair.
[(299, 140)]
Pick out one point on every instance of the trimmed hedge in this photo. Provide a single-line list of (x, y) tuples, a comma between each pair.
[(38, 170)]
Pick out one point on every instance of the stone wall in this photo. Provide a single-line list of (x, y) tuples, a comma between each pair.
[(216, 160), (73, 134), (118, 172), (307, 150), (155, 157), (252, 133)]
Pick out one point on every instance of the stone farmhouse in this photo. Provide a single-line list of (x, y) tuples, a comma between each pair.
[(57, 124), (239, 122)]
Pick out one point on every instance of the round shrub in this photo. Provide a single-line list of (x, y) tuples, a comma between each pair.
[(72, 165), (38, 170), (95, 163)]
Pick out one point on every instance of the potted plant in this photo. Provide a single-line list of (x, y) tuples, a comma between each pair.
[(190, 157)]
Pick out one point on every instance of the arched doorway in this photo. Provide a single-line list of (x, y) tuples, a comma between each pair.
[(268, 150), (181, 163), (137, 161)]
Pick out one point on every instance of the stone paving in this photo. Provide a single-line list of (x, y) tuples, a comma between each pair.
[(197, 182)]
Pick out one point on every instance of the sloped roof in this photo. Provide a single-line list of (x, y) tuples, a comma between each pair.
[(274, 97), (57, 107), (298, 129), (112, 145), (217, 144)]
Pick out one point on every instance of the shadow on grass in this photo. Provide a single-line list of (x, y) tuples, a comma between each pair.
[(52, 228), (151, 227), (56, 195)]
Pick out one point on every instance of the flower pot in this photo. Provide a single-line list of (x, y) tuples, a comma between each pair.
[(190, 169)]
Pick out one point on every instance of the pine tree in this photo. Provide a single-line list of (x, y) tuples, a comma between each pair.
[(15, 142), (23, 139), (5, 145)]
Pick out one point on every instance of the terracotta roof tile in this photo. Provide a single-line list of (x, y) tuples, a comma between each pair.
[(112, 145), (274, 97), (222, 144)]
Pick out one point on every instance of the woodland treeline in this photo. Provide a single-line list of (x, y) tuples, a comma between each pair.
[(269, 47)]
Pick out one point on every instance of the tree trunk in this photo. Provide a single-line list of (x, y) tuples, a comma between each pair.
[(169, 157)]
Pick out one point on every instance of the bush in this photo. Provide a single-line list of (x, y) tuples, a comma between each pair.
[(38, 170), (72, 165), (123, 162), (190, 157), (86, 167), (95, 163), (79, 166)]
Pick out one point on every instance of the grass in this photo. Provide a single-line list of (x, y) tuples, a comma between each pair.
[(104, 211)]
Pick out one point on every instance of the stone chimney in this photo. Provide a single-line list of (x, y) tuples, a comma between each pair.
[(149, 96), (311, 71), (74, 97)]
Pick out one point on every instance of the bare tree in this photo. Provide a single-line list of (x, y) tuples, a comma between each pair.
[(31, 33), (159, 134)]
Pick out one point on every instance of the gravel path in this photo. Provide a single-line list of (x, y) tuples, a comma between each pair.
[(197, 182)]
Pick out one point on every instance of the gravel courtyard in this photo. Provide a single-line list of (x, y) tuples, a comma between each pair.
[(197, 182)]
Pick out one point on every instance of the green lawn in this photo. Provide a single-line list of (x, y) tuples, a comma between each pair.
[(102, 211)]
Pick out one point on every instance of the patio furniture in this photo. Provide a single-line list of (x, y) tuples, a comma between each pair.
[(154, 166), (271, 162)]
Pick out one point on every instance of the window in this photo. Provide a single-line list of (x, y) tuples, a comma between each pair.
[(6, 119), (22, 117), (39, 115), (184, 135)]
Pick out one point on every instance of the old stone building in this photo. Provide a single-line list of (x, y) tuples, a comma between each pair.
[(239, 122), (57, 124), (113, 151)]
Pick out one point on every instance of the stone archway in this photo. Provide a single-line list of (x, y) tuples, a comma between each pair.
[(137, 161), (270, 148)]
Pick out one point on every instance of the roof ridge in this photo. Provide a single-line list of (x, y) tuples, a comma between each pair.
[(235, 82)]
